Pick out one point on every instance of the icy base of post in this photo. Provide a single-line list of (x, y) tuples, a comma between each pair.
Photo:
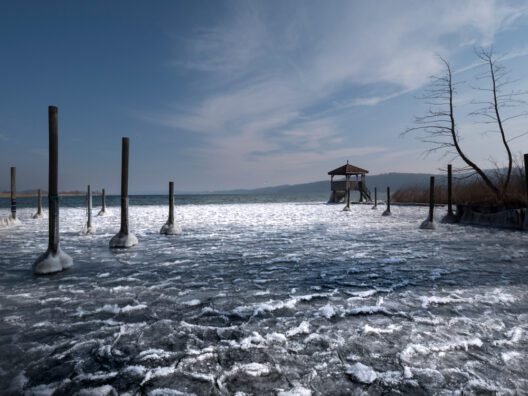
[(9, 221), (346, 209), (104, 212), (88, 230), (449, 219), (428, 225), (123, 241), (49, 263), (170, 229), (38, 216), (387, 212)]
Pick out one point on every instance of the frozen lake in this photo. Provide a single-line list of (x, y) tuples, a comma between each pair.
[(265, 298)]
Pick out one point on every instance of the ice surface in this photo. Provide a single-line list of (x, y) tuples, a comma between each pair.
[(361, 373), (276, 298)]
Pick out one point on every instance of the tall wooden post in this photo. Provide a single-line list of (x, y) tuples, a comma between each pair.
[(387, 211), (13, 193), (53, 179), (39, 202), (428, 223), (526, 174), (450, 190), (89, 196), (38, 215), (171, 203), (332, 192), (103, 199), (375, 198), (124, 239), (169, 228), (431, 198), (54, 259), (102, 212), (89, 229), (124, 185), (450, 216)]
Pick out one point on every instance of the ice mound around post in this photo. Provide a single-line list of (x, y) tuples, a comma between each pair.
[(104, 212), (449, 219), (38, 215), (123, 241), (88, 230), (428, 225), (9, 221), (346, 209), (170, 229), (387, 212), (49, 262)]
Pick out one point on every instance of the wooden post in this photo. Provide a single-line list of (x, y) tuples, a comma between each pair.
[(103, 203), (38, 215), (124, 185), (39, 203), (13, 193), (89, 229), (53, 179), (102, 212), (171, 202), (526, 174), (169, 228), (431, 198), (450, 216), (428, 224), (360, 186), (332, 192), (375, 198), (387, 211), (124, 239), (89, 196), (450, 190), (54, 259)]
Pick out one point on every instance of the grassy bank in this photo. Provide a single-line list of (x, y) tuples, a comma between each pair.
[(472, 192)]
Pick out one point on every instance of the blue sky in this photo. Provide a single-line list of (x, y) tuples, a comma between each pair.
[(220, 94)]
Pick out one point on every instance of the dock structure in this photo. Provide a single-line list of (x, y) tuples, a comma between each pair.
[(340, 189)]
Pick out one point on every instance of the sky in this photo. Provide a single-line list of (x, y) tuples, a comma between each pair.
[(218, 95)]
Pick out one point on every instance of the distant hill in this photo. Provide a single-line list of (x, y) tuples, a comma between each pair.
[(394, 180)]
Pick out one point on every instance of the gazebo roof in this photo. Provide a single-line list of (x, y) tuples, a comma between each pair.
[(348, 169)]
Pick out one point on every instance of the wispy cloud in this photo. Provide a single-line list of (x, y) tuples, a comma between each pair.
[(283, 77)]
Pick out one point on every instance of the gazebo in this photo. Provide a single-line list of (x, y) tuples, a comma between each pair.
[(341, 188)]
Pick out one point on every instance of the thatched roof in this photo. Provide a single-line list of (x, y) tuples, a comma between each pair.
[(347, 169)]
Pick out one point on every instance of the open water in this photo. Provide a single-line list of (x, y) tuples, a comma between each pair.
[(286, 298)]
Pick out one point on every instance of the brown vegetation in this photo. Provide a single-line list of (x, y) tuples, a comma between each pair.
[(469, 192)]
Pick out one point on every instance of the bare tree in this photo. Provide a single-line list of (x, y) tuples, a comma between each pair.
[(438, 127), (498, 101)]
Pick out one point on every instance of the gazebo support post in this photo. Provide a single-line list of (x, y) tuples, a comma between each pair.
[(347, 207)]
